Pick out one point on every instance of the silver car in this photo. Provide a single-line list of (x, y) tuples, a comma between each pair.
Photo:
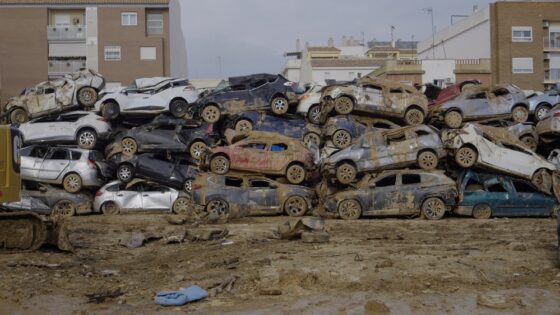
[(73, 168), (540, 104), (549, 128), (79, 127), (139, 195)]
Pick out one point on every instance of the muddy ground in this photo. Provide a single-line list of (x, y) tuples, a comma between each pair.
[(376, 266)]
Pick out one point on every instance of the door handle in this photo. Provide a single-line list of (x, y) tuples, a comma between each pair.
[(145, 195), (120, 195)]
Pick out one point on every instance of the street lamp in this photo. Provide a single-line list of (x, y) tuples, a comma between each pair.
[(430, 11)]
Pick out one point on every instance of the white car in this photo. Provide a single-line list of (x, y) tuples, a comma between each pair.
[(310, 104), (473, 147), (149, 96), (79, 127)]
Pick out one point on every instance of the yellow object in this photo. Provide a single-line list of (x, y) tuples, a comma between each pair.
[(10, 179)]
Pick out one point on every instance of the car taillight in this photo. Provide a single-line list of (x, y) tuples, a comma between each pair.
[(189, 88), (556, 114), (99, 193), (91, 164), (196, 186), (102, 119), (210, 128)]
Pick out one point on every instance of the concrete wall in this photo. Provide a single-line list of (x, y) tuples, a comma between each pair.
[(178, 46), (338, 74), (438, 70)]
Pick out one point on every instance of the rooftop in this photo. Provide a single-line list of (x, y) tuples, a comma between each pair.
[(323, 48), (333, 63)]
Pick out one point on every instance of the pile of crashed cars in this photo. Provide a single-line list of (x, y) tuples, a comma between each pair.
[(260, 143)]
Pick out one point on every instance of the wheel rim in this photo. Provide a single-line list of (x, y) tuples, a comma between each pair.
[(434, 208), (280, 105), (414, 117), (129, 146), (188, 186), (542, 112), (87, 96), (110, 110), (211, 114), (343, 105), (453, 119), (181, 206), (312, 138), (219, 165), (73, 183), (125, 173), (427, 160), (349, 210), (244, 126), (217, 207), (296, 206), (18, 116), (482, 212), (64, 208), (196, 149), (110, 208), (315, 114), (466, 157), (179, 108), (346, 173), (520, 114), (342, 139), (87, 139), (529, 142), (543, 180), (296, 174)]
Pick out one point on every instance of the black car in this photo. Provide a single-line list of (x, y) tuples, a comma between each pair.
[(157, 167), (251, 92)]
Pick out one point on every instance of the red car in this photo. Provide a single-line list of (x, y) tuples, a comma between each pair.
[(437, 95)]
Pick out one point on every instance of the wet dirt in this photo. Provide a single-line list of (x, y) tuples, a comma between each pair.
[(378, 266)]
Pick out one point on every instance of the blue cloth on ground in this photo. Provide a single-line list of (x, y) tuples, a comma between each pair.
[(181, 297)]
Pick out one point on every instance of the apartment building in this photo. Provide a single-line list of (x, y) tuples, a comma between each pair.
[(520, 38), (122, 40)]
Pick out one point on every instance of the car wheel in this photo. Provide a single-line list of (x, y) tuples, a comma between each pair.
[(280, 105), (72, 183), (219, 165), (311, 137), (541, 112), (187, 186), (87, 96), (466, 157), (125, 173), (110, 208), (217, 207), (344, 105), (529, 142), (341, 139), (211, 114), (314, 114), (196, 149), (543, 180), (427, 160), (178, 108), (346, 173), (19, 116), (87, 139), (433, 208), (413, 117), (349, 209), (295, 206), (453, 119), (64, 208), (129, 146), (110, 110), (520, 114), (295, 174), (482, 211), (181, 205), (243, 125)]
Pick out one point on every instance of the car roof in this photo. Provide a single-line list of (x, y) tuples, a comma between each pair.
[(248, 79)]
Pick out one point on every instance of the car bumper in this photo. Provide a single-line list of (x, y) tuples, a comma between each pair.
[(464, 210)]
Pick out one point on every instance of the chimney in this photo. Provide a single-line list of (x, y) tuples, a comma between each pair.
[(298, 44), (475, 8), (330, 42)]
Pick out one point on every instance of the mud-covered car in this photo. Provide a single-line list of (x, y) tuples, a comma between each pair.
[(139, 195), (396, 193), (80, 88), (475, 146), (251, 92), (344, 129), (49, 200), (310, 104), (159, 168), (480, 103), (437, 95), (78, 127), (220, 193), (165, 134), (484, 195), (540, 104), (377, 97), (380, 150), (149, 96), (262, 152), (73, 168), (549, 127), (287, 125), (526, 132)]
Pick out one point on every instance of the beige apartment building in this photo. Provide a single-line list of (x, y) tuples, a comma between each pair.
[(42, 39)]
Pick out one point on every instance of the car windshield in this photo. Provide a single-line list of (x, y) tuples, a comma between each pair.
[(132, 86), (222, 85)]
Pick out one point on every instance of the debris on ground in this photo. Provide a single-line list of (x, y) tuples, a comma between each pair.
[(139, 239), (180, 297), (102, 295)]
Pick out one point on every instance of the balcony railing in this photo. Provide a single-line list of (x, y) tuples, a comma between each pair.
[(66, 33), (62, 67), (551, 42), (552, 75)]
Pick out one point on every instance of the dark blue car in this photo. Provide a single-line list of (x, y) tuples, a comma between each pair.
[(343, 129), (485, 195), (289, 125)]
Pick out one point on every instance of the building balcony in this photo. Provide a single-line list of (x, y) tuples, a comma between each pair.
[(472, 66), (58, 68), (66, 33), (552, 76), (551, 43)]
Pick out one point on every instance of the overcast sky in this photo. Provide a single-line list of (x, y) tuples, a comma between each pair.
[(251, 36)]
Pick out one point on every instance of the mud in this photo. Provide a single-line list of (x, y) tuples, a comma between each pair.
[(458, 266)]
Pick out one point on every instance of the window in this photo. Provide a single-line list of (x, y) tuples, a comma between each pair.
[(112, 188), (421, 133), (260, 184), (497, 188), (258, 146), (478, 96), (233, 181), (410, 179), (59, 154), (473, 185), (154, 24), (39, 152), (279, 147), (521, 34), (112, 53), (522, 65), (523, 187), (75, 156), (147, 53), (387, 181), (129, 19)]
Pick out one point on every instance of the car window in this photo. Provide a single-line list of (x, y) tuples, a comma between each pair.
[(38, 152), (166, 127), (523, 187), (473, 185), (501, 92), (382, 125), (49, 90), (59, 154), (386, 181), (239, 87), (395, 138), (71, 118), (410, 179), (496, 188), (233, 181), (279, 147), (481, 95), (396, 91), (112, 188), (257, 146), (44, 119), (136, 187), (181, 83), (421, 133), (259, 183), (257, 84), (75, 156)]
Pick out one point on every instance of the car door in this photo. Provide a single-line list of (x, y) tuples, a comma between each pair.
[(260, 94), (477, 105), (130, 199), (501, 101), (530, 201), (154, 166), (46, 99), (278, 156), (500, 198), (400, 145), (31, 162), (55, 163), (160, 97), (235, 99), (262, 194), (134, 100), (40, 129), (385, 196), (397, 98), (373, 98), (411, 193), (250, 155), (165, 137), (155, 197)]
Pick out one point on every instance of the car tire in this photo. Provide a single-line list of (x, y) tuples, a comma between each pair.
[(466, 157), (72, 183), (433, 208), (219, 165), (87, 96), (519, 114), (211, 114), (414, 117), (178, 108), (19, 116), (181, 205), (125, 172), (541, 112), (427, 160), (110, 110), (187, 186), (311, 137), (314, 114), (280, 105), (86, 139), (346, 173), (295, 206), (217, 208), (129, 146), (64, 208), (349, 209), (453, 119), (343, 105), (482, 211), (530, 142), (244, 126), (196, 149), (341, 139), (110, 208), (542, 179), (295, 174)]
